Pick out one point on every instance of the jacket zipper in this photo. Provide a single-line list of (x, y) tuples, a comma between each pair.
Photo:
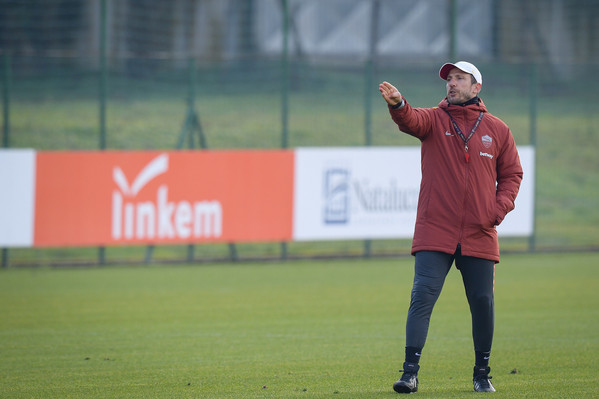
[(466, 177)]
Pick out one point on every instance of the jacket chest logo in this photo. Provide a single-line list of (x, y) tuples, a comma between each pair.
[(487, 141)]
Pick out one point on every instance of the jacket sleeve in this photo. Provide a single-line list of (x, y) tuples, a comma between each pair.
[(509, 177), (416, 122)]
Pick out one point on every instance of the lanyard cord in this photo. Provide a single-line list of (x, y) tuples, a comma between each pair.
[(461, 134)]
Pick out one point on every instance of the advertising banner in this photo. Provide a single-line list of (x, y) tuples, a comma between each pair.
[(117, 198), (17, 187), (355, 193), (372, 193), (52, 199)]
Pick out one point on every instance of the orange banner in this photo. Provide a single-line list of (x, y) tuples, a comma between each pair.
[(120, 198)]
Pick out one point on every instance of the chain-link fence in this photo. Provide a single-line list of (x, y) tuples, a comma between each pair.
[(102, 74)]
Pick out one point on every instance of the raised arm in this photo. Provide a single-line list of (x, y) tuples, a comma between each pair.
[(416, 122)]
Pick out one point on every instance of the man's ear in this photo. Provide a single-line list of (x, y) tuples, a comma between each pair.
[(478, 86)]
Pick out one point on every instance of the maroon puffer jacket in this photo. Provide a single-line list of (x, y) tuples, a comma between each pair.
[(461, 202)]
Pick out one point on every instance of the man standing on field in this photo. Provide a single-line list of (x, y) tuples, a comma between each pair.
[(471, 174)]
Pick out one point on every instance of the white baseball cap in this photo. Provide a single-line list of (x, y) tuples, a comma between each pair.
[(463, 66)]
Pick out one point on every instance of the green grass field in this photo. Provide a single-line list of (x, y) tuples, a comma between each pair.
[(319, 329)]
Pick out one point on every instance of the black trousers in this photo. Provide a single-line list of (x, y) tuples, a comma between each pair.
[(478, 276)]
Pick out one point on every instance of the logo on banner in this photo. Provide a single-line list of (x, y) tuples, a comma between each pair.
[(162, 218), (336, 196), (487, 141), (347, 198)]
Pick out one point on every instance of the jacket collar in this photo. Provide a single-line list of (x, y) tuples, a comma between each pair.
[(473, 100), (474, 104)]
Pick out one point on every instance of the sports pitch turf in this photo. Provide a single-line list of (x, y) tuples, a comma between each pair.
[(331, 329)]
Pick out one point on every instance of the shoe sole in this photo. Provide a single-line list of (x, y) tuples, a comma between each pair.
[(484, 390), (403, 389)]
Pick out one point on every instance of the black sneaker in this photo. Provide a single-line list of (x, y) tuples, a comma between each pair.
[(408, 382), (481, 380)]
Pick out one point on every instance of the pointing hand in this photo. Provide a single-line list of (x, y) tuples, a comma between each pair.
[(390, 93)]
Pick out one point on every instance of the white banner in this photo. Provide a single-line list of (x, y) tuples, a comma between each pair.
[(355, 193), (17, 185), (372, 193), (520, 221)]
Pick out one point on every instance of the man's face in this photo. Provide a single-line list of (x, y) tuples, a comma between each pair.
[(460, 87)]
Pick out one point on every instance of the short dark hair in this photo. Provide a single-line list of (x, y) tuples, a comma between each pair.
[(473, 79)]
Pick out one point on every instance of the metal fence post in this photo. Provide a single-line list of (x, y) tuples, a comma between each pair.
[(102, 82), (533, 106), (370, 67), (368, 87), (103, 78), (285, 75), (6, 78), (284, 89), (453, 30), (4, 258)]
